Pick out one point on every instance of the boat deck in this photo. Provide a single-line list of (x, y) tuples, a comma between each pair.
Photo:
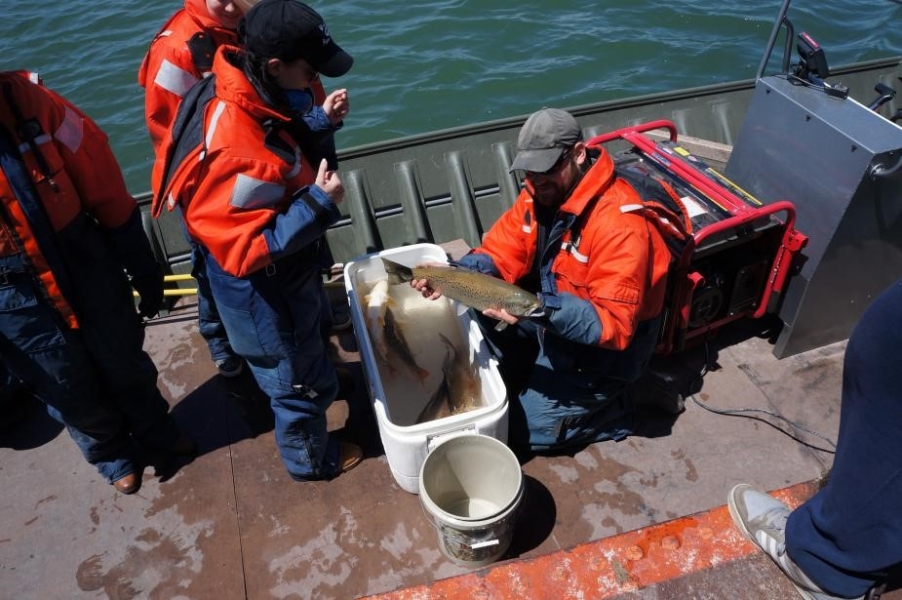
[(642, 518)]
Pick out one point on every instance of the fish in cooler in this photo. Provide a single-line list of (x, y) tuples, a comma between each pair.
[(460, 390), (387, 334)]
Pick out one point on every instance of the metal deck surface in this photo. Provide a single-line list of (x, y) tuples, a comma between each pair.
[(232, 524)]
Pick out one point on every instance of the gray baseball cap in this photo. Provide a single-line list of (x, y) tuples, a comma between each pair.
[(543, 138)]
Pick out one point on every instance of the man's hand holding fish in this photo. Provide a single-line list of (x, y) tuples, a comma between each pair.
[(422, 286), (472, 288)]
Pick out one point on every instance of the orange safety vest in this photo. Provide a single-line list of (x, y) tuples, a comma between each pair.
[(169, 69), (618, 261), (62, 151), (240, 178), (180, 55)]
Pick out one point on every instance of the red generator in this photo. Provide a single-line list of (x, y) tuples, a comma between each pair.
[(740, 253)]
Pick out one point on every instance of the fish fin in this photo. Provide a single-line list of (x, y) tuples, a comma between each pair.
[(397, 273), (501, 325)]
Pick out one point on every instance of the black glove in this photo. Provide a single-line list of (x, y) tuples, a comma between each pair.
[(150, 287), (132, 247)]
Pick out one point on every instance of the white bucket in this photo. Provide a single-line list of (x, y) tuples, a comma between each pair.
[(470, 487)]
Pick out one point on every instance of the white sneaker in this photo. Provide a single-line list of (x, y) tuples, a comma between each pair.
[(762, 519)]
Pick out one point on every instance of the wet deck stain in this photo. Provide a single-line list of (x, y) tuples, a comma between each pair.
[(155, 566), (43, 500), (691, 472), (30, 521)]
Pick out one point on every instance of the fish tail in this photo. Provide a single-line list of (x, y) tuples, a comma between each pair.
[(397, 273)]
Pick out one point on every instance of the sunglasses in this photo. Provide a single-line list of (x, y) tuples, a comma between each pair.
[(557, 166)]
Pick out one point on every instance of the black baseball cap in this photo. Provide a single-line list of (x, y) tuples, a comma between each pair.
[(289, 30), (543, 138)]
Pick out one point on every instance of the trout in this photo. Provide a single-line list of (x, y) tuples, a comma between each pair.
[(389, 342), (460, 390), (477, 290)]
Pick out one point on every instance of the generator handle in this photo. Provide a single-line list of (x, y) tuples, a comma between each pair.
[(641, 128)]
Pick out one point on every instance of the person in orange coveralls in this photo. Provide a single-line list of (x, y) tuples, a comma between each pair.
[(583, 239), (71, 242), (180, 55), (257, 199)]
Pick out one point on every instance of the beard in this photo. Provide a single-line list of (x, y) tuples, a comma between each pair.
[(548, 193)]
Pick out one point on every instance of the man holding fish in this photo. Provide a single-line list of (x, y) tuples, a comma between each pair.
[(593, 253)]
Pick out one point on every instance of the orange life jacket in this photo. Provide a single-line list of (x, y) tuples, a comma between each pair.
[(240, 178), (170, 69), (612, 253), (180, 55), (61, 151)]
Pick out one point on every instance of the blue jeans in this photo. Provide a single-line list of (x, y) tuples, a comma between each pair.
[(849, 534), (208, 320), (97, 380), (573, 394), (273, 320)]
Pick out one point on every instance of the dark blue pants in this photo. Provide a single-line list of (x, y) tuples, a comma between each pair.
[(848, 535), (273, 320), (96, 380), (208, 320), (573, 394)]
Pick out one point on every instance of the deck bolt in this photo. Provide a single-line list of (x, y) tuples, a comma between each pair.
[(670, 542), (634, 553)]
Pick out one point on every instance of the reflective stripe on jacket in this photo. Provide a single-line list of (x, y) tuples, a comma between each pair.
[(74, 172), (168, 69), (246, 192), (599, 287)]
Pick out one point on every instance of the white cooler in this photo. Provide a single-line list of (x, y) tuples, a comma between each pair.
[(399, 396)]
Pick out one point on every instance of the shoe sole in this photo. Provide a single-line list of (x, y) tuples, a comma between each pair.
[(737, 518), (233, 373)]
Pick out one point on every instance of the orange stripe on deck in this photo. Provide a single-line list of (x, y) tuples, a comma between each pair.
[(610, 566)]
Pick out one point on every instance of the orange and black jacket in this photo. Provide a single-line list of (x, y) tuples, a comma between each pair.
[(245, 186), (179, 56), (605, 262), (59, 173)]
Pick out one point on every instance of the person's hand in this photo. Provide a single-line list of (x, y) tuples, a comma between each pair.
[(422, 285), (337, 105), (501, 315), (150, 289), (330, 182)]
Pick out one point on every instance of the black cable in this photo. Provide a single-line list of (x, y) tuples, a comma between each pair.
[(742, 412)]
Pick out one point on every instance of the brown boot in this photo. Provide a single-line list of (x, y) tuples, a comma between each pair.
[(350, 456), (128, 484)]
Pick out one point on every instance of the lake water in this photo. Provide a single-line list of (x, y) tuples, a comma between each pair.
[(423, 65)]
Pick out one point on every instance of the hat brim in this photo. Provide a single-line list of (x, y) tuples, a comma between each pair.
[(333, 62), (537, 161)]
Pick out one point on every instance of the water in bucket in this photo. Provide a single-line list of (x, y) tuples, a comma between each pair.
[(471, 487)]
